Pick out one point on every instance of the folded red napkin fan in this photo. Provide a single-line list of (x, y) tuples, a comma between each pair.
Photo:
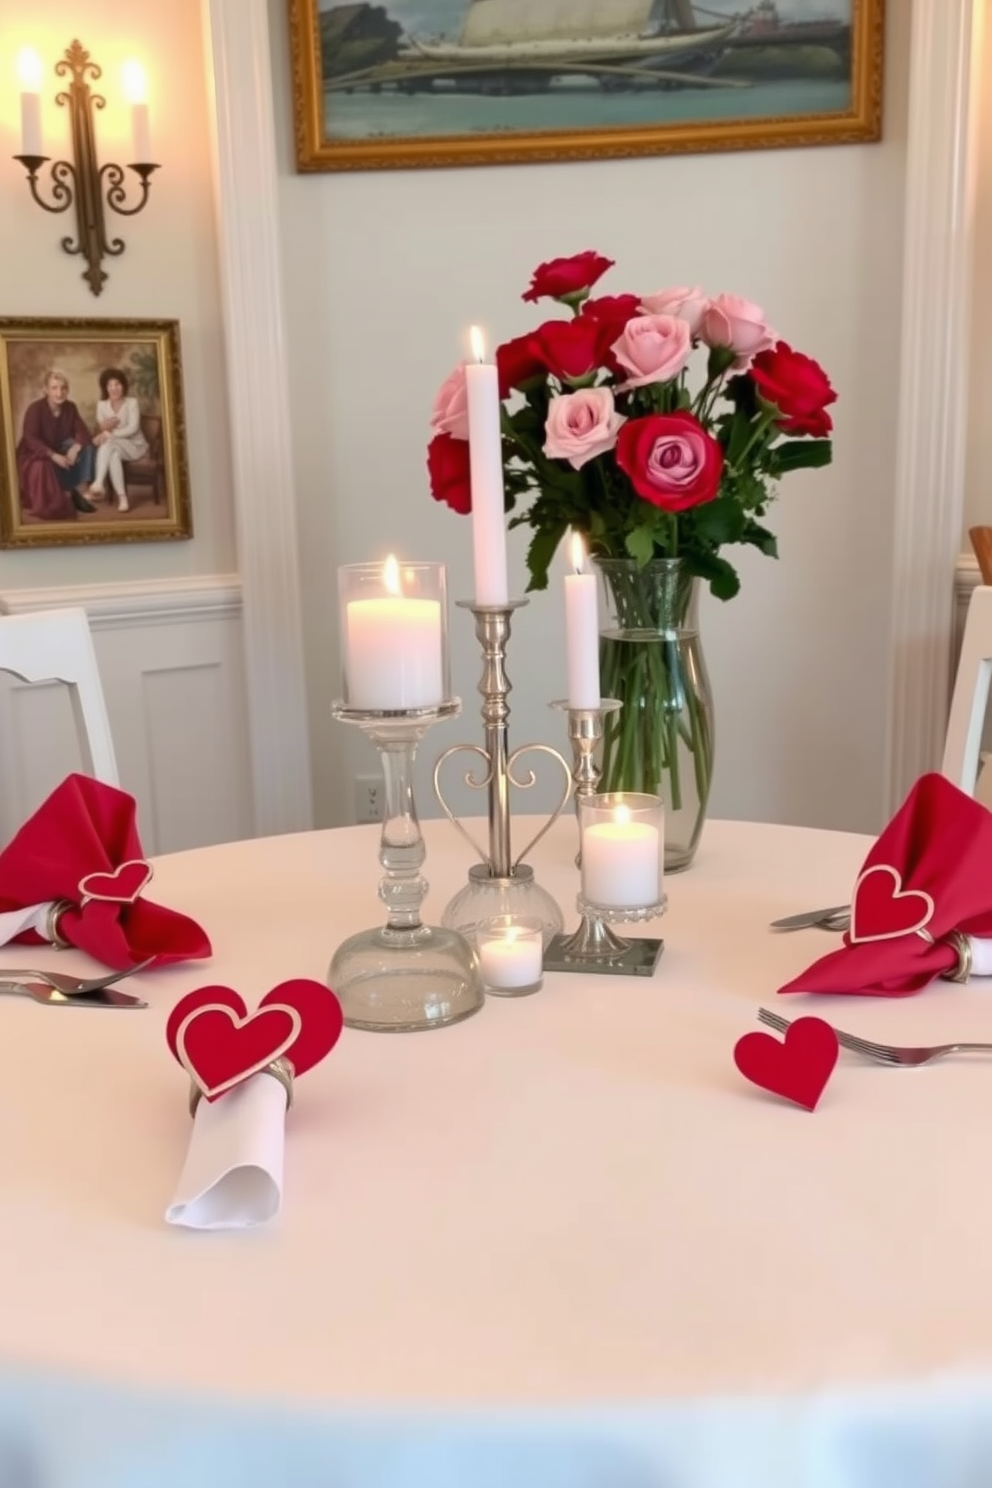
[(928, 875), (82, 846)]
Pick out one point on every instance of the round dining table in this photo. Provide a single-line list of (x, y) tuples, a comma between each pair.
[(562, 1244)]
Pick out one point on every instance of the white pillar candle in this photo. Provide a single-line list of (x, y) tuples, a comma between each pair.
[(29, 74), (621, 863), (486, 475), (581, 632), (512, 960), (392, 647), (135, 91)]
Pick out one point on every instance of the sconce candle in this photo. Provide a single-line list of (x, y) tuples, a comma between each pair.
[(135, 91), (29, 75), (394, 655), (581, 631), (485, 450)]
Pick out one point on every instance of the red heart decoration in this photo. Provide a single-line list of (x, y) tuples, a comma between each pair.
[(797, 1069), (321, 1019), (226, 1049), (221, 1049), (122, 886), (881, 909), (200, 998)]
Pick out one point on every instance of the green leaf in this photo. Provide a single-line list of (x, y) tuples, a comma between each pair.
[(719, 521), (800, 454), (760, 538), (540, 553), (640, 542), (722, 575)]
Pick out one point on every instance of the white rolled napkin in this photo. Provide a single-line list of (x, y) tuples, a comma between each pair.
[(16, 921), (232, 1177)]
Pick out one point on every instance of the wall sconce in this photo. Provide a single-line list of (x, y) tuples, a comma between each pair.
[(82, 180)]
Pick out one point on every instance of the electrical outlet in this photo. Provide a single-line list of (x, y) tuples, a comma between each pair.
[(368, 798)]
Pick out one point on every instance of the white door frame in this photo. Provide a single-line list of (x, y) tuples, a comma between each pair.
[(933, 397)]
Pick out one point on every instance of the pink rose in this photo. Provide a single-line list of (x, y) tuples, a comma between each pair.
[(450, 414), (739, 325), (685, 304), (653, 348), (671, 460), (581, 425)]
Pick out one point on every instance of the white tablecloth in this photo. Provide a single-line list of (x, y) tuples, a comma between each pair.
[(562, 1242)]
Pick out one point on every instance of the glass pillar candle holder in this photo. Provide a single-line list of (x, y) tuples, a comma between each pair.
[(622, 835), (394, 636), (511, 956)]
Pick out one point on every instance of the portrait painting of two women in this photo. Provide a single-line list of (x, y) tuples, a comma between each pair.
[(92, 445)]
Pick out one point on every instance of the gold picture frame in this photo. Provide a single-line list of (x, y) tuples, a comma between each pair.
[(354, 63), (39, 505)]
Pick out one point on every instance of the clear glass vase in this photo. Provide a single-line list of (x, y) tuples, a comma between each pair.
[(661, 740)]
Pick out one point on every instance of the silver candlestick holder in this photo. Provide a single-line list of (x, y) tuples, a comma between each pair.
[(404, 975), (585, 732), (500, 886), (594, 947)]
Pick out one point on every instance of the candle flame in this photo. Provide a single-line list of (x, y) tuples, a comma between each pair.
[(622, 816), (578, 553), (133, 82), (478, 343), (391, 576), (29, 70)]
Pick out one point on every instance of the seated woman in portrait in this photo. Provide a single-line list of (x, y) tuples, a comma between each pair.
[(54, 455), (119, 435)]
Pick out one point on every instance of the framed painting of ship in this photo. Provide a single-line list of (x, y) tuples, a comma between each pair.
[(398, 83)]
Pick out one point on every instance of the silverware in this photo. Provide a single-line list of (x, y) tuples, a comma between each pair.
[(44, 992), (895, 1054), (836, 918), (71, 986)]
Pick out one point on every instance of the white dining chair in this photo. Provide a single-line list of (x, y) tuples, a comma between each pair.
[(56, 645), (966, 723)]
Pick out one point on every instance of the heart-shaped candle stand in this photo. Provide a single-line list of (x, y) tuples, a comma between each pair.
[(220, 1044), (798, 1068), (122, 885), (881, 909)]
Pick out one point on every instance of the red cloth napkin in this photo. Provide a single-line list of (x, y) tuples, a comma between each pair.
[(86, 828), (929, 873)]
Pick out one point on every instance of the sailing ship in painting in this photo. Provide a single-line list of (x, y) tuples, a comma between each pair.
[(521, 46)]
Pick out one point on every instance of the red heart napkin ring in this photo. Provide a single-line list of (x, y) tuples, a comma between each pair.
[(221, 1044), (121, 885)]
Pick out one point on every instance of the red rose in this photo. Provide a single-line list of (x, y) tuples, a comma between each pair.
[(612, 312), (570, 349), (567, 278), (671, 460), (797, 386), (448, 468), (516, 364)]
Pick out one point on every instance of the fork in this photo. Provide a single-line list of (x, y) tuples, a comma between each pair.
[(894, 1054), (72, 986)]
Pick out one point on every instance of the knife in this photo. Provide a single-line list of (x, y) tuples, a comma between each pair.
[(109, 997), (811, 918)]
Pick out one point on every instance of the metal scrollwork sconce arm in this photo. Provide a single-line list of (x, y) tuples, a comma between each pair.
[(82, 182)]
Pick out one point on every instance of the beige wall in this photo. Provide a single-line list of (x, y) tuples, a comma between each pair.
[(384, 271), (169, 267)]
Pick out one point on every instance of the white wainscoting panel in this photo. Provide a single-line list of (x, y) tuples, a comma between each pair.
[(171, 662)]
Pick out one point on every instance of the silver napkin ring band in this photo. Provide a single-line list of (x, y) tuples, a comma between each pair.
[(962, 945), (55, 912), (280, 1069)]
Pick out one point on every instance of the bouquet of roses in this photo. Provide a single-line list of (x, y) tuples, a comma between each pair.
[(603, 431)]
